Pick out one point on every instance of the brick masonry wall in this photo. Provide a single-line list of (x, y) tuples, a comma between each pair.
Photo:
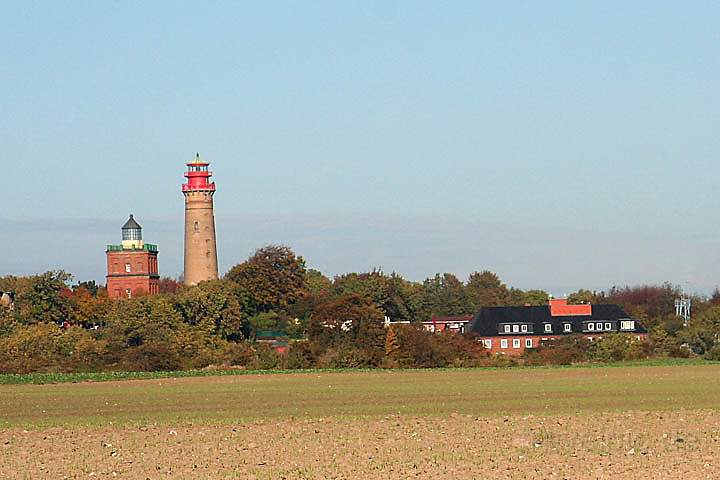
[(496, 345), (142, 279)]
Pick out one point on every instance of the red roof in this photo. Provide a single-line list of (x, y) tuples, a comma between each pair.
[(560, 308)]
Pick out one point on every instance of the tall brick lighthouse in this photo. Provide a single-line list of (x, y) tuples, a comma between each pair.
[(200, 248)]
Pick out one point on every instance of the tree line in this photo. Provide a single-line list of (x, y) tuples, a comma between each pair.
[(58, 325)]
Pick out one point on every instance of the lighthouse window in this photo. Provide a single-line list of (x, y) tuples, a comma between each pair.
[(132, 234)]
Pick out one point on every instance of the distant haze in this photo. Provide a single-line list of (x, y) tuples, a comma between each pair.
[(559, 144)]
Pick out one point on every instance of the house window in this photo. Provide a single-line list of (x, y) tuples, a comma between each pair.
[(507, 328), (591, 326), (528, 343), (608, 326), (627, 325), (567, 327), (488, 343), (127, 268), (548, 328), (128, 292), (503, 343), (516, 328), (516, 343), (523, 328)]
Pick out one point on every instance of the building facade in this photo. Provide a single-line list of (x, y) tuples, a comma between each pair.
[(512, 330), (132, 266), (200, 245), (454, 324)]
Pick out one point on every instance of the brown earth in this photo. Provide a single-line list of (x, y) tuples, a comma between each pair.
[(638, 445)]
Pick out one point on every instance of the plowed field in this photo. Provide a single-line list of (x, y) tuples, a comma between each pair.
[(634, 422)]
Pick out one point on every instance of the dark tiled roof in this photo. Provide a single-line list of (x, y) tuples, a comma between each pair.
[(485, 322), (131, 224)]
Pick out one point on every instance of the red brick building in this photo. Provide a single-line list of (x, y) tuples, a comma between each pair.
[(512, 330), (132, 266)]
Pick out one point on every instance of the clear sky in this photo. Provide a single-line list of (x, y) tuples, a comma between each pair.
[(562, 144)]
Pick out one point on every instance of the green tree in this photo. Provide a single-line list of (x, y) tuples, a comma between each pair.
[(535, 297), (704, 331), (214, 307), (272, 279), (585, 297), (614, 347), (317, 283), (484, 289), (392, 294), (266, 321), (44, 298), (441, 295)]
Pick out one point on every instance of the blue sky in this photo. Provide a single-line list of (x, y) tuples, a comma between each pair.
[(561, 144)]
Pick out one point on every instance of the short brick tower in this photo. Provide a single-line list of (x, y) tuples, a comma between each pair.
[(132, 266), (200, 249)]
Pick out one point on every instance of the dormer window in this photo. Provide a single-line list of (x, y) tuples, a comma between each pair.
[(548, 328), (507, 329), (591, 326), (516, 328), (523, 328), (627, 325), (567, 327), (608, 326)]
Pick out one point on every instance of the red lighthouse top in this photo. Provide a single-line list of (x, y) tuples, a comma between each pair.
[(198, 176)]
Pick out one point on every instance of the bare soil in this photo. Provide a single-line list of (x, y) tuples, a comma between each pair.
[(636, 445)]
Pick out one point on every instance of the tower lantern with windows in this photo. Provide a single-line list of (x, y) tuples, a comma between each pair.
[(132, 266)]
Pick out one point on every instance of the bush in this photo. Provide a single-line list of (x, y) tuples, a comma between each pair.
[(416, 347), (713, 353), (562, 351), (47, 348), (343, 358), (616, 347), (151, 356), (301, 356), (266, 358)]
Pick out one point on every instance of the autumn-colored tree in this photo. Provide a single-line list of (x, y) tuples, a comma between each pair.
[(169, 285), (87, 309), (349, 321), (419, 348), (88, 285), (272, 279), (646, 301), (392, 348)]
